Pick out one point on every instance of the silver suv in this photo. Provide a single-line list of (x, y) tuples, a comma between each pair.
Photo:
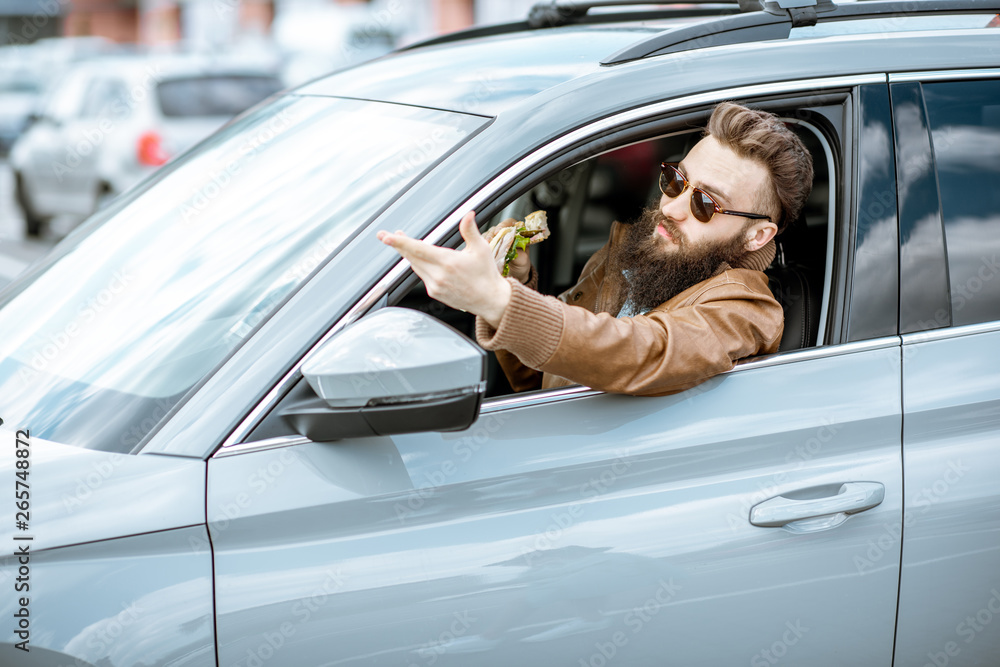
[(249, 438)]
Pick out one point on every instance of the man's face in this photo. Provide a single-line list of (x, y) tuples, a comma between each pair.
[(668, 250), (733, 181)]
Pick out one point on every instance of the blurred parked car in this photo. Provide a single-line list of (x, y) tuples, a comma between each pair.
[(109, 122), (27, 69), (20, 91), (254, 442)]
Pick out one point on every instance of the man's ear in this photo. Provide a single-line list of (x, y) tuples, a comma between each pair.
[(760, 234)]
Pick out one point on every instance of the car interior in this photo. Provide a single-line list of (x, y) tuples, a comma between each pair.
[(581, 202)]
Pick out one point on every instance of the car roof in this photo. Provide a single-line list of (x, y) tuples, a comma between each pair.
[(495, 73), (483, 75)]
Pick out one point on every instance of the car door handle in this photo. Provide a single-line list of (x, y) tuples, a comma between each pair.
[(852, 497)]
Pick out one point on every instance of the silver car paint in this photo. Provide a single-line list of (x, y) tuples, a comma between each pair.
[(123, 537), (949, 604), (556, 533), (140, 600), (85, 495)]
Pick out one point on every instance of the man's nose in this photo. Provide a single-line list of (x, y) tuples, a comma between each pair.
[(676, 208)]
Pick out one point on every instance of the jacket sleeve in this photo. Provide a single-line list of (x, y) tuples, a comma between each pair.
[(662, 352), (520, 377)]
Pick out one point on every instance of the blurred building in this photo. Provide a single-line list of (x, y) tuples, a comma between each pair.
[(26, 21), (221, 24)]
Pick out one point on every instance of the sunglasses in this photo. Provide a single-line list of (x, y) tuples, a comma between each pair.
[(703, 206)]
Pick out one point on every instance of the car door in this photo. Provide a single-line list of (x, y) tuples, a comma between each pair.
[(722, 525), (948, 134)]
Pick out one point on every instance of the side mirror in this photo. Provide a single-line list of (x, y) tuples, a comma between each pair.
[(394, 371)]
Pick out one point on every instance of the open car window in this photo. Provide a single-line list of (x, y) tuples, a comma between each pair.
[(582, 200)]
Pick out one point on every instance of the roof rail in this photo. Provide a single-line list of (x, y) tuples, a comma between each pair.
[(668, 9), (553, 13), (777, 20)]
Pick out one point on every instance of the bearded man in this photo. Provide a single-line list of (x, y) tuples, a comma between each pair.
[(669, 301)]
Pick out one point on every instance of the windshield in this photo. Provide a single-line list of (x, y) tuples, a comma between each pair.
[(138, 308)]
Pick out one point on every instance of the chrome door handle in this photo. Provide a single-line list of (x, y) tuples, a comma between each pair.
[(851, 498)]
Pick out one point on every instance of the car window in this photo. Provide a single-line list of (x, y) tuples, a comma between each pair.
[(15, 80), (104, 98), (213, 95), (64, 98), (964, 121), (582, 201), (147, 298)]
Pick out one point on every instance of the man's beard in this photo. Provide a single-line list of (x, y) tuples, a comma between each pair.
[(655, 273)]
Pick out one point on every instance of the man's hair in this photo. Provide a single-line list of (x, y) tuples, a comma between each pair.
[(764, 138)]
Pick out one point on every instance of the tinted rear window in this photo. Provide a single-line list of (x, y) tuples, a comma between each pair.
[(964, 119), (214, 95)]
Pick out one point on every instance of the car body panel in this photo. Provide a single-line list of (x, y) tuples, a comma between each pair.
[(84, 495), (141, 600), (950, 582), (544, 531)]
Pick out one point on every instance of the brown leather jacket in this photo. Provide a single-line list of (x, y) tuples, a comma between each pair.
[(699, 333)]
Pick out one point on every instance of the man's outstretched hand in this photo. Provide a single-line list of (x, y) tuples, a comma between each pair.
[(466, 279)]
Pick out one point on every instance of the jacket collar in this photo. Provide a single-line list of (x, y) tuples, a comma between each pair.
[(758, 260)]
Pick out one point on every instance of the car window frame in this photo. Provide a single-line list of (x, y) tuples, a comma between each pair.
[(522, 174), (689, 121)]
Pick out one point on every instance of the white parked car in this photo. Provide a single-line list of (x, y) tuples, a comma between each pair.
[(107, 123)]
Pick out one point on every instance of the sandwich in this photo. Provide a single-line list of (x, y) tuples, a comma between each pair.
[(508, 240)]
